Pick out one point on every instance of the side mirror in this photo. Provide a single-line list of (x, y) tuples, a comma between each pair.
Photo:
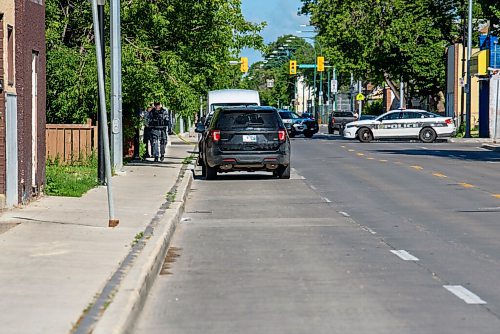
[(200, 128)]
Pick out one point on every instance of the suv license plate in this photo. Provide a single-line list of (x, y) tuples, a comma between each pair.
[(249, 138)]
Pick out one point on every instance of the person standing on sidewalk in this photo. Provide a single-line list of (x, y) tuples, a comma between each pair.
[(147, 130), (158, 123)]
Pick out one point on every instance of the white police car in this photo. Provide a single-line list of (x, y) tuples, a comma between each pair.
[(408, 123)]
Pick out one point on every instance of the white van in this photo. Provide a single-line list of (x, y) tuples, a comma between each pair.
[(231, 97)]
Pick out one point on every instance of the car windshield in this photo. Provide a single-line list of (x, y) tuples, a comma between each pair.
[(230, 120), (216, 106), (289, 115)]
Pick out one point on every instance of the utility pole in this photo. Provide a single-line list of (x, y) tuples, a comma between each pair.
[(469, 76), (401, 94), (113, 221), (321, 95), (351, 88), (116, 87), (336, 89), (360, 103), (101, 175)]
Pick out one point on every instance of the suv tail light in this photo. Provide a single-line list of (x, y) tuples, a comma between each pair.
[(333, 120), (448, 121), (215, 135), (282, 135)]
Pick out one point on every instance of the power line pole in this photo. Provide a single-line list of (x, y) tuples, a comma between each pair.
[(116, 87), (113, 221), (101, 174), (469, 76)]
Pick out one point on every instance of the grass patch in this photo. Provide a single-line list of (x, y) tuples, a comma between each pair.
[(71, 180), (188, 160), (170, 196)]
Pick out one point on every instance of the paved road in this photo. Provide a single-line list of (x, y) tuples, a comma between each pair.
[(392, 237)]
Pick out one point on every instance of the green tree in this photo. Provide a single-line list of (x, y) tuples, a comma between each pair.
[(174, 51), (385, 40)]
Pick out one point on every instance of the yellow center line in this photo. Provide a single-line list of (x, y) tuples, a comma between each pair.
[(382, 160), (343, 146), (496, 195), (466, 185), (439, 175), (370, 158), (360, 154), (351, 150), (417, 167), (398, 162)]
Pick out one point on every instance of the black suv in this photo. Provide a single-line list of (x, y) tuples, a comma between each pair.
[(244, 138)]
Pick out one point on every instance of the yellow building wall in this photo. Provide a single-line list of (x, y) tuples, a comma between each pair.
[(7, 8), (474, 89)]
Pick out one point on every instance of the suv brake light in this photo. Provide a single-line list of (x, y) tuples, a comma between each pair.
[(333, 120), (215, 135), (448, 121), (281, 135)]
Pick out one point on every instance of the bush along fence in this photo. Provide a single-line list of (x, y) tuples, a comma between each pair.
[(67, 143)]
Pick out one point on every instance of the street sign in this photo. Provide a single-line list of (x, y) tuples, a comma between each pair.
[(334, 88), (360, 97), (270, 83), (307, 65)]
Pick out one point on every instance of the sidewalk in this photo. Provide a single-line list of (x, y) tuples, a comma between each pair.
[(57, 254)]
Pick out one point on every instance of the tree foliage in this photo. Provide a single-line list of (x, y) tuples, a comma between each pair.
[(277, 69), (384, 40), (174, 51)]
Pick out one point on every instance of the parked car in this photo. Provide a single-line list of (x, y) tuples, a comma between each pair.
[(248, 138), (338, 119), (410, 123), (311, 124), (293, 122)]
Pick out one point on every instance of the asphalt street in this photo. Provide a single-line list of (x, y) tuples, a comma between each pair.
[(385, 237)]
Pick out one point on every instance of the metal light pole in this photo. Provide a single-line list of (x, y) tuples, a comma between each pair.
[(113, 221), (469, 76), (401, 94), (116, 87), (101, 174)]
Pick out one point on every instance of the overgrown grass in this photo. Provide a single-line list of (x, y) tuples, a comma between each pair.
[(71, 180)]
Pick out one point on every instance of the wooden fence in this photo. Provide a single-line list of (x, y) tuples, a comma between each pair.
[(70, 142)]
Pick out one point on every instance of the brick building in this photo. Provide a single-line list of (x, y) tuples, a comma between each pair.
[(22, 100)]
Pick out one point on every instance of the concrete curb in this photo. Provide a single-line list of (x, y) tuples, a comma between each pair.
[(469, 140), (122, 313), (492, 147)]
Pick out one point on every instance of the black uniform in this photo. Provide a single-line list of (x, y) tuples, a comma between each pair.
[(158, 124)]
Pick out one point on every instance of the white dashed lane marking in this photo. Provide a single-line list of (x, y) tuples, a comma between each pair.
[(326, 200), (464, 294), (404, 255), (345, 214)]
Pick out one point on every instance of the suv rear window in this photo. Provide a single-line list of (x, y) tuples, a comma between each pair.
[(343, 114), (230, 120)]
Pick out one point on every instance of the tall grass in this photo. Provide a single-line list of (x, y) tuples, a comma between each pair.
[(73, 179)]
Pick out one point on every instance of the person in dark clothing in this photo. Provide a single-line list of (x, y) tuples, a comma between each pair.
[(158, 122), (147, 131)]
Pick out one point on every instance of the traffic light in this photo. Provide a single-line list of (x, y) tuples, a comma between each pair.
[(244, 64), (321, 64), (293, 67)]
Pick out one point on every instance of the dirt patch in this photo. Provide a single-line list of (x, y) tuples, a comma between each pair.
[(172, 255)]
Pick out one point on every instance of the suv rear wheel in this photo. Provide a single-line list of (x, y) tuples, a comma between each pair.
[(211, 172), (283, 172)]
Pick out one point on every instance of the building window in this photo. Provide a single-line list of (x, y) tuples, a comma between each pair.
[(10, 55)]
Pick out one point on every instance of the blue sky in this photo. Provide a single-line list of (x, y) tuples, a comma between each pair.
[(280, 15)]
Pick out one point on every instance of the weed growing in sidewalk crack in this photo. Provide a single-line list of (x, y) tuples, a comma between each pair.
[(137, 238), (170, 196)]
